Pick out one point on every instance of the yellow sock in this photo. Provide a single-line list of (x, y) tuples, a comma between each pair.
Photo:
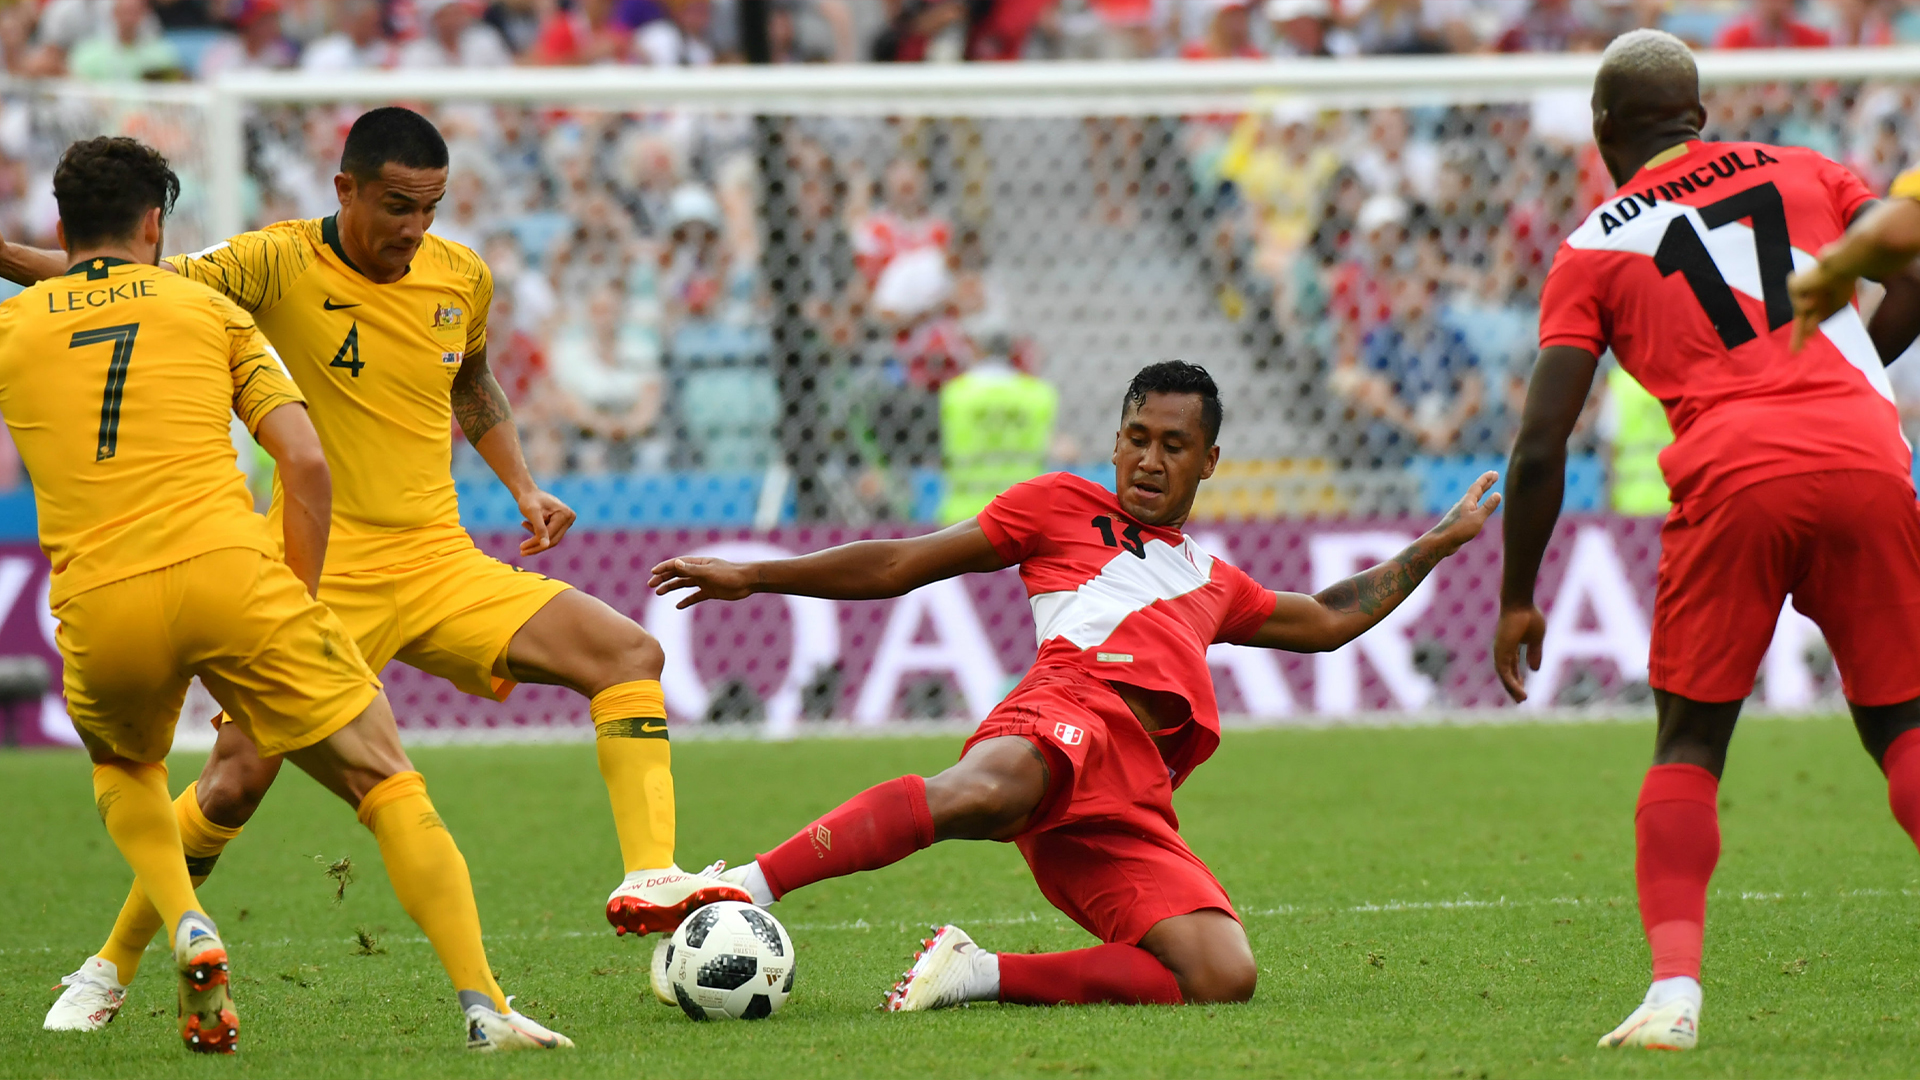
[(203, 841), (636, 761), (430, 877), (132, 800)]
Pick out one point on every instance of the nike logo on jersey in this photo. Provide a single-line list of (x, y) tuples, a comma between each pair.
[(331, 306)]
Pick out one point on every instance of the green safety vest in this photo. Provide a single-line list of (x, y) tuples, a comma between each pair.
[(1638, 488), (995, 427)]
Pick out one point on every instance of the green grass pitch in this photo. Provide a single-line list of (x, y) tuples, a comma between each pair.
[(1423, 902)]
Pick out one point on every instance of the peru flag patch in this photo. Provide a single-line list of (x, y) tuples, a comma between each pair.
[(1068, 734)]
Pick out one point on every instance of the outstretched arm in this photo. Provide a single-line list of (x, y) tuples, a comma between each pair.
[(863, 570), (1536, 486), (1343, 611), (1879, 245), (487, 420), (25, 265), (306, 487)]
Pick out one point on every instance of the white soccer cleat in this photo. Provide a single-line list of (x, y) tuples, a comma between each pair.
[(490, 1031), (1674, 1025), (658, 901), (942, 975), (657, 972), (91, 1000)]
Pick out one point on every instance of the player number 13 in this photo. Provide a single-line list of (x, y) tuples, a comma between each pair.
[(122, 338)]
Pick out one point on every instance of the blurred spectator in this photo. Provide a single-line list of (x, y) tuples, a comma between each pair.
[(678, 38), (1418, 376), (904, 222), (1394, 27), (924, 30), (1108, 29), (996, 426), (1228, 36), (1861, 23), (1279, 167), (1299, 27), (586, 33), (1392, 161), (1548, 26), (19, 55), (128, 47), (1016, 30), (608, 378), (1770, 25), (357, 42), (453, 37), (257, 43)]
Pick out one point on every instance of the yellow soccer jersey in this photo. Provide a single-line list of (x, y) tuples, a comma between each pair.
[(377, 364), (1905, 186), (118, 382)]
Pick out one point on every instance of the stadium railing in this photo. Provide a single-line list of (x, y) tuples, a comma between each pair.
[(1265, 219)]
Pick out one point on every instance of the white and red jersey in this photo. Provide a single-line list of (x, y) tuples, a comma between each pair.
[(1684, 275), (883, 235), (1121, 601)]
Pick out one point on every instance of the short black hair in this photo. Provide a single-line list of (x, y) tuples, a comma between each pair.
[(1176, 377), (391, 135), (105, 185)]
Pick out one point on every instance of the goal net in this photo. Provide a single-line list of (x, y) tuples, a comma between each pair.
[(752, 311)]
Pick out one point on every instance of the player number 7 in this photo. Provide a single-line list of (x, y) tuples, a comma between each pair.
[(1682, 251), (122, 338)]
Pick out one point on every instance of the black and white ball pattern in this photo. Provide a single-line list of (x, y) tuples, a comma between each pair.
[(730, 961)]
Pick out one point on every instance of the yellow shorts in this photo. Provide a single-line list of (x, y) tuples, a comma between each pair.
[(280, 663), (450, 615)]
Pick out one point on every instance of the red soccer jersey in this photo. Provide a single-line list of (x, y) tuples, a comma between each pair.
[(1684, 276), (1122, 601)]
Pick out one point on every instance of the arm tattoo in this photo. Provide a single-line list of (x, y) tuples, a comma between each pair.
[(1376, 591), (478, 401)]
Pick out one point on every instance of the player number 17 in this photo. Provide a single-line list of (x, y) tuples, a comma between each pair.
[(1682, 251), (122, 338)]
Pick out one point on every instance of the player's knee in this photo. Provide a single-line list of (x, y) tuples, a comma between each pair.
[(229, 797), (1221, 981), (629, 654), (976, 803)]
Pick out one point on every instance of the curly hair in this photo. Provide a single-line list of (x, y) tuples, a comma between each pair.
[(106, 185)]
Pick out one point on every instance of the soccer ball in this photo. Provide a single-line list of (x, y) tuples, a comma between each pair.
[(730, 961)]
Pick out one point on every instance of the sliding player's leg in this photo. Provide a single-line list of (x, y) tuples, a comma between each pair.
[(124, 688), (489, 626)]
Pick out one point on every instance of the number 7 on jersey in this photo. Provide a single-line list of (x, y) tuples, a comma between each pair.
[(122, 337)]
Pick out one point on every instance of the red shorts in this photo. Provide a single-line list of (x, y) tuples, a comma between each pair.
[(1105, 847), (1844, 544)]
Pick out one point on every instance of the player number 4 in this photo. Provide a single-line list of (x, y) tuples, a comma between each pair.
[(1682, 251), (122, 338), (349, 355)]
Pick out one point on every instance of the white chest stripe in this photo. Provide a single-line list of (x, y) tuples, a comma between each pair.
[(1735, 254), (1088, 615)]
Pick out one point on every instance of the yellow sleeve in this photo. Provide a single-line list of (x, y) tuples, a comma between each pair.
[(482, 304), (260, 381), (1906, 185), (253, 269)]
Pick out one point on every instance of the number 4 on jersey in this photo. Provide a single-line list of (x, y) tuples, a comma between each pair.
[(349, 355), (1682, 251)]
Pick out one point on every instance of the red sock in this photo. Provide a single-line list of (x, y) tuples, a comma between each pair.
[(1677, 831), (1902, 765), (1120, 974), (876, 828)]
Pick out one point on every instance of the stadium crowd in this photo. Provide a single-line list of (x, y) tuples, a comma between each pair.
[(1382, 267)]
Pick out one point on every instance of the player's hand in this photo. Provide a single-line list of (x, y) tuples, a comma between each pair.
[(546, 517), (1518, 626), (709, 578), (1469, 515), (1816, 293)]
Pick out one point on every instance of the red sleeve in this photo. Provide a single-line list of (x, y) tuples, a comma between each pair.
[(1570, 306), (1850, 193), (1249, 603), (1736, 35), (1016, 519)]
